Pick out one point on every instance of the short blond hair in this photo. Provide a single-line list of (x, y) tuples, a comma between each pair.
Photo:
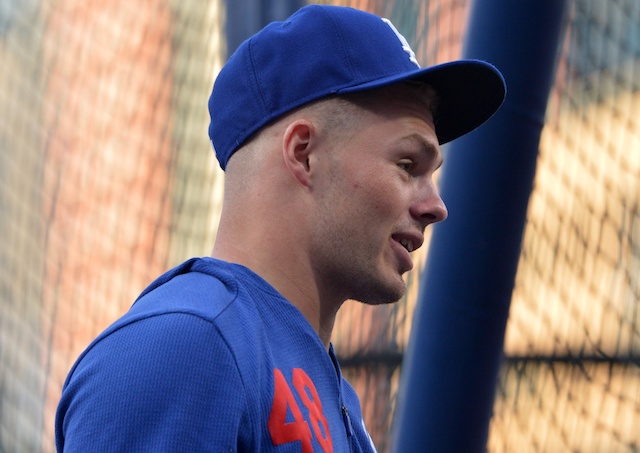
[(339, 114)]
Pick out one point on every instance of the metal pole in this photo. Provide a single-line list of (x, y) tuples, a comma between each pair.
[(246, 17), (456, 344)]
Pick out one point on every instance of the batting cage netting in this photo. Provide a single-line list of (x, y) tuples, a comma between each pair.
[(107, 179)]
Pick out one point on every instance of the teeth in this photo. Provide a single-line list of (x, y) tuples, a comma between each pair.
[(407, 244)]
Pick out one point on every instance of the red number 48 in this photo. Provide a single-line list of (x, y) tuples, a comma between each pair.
[(283, 432)]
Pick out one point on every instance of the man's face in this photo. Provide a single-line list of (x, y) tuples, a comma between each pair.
[(376, 199)]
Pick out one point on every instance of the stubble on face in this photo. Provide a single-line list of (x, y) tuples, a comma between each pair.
[(350, 236), (351, 251), (357, 209)]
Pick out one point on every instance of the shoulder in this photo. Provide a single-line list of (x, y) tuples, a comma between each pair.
[(165, 364), (162, 381), (176, 318), (201, 286)]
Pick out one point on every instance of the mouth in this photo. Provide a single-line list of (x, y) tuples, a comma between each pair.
[(409, 241), (405, 244)]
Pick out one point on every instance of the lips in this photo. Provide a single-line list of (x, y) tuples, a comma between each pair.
[(410, 241), (405, 243)]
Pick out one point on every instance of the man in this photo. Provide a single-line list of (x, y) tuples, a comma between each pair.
[(329, 134)]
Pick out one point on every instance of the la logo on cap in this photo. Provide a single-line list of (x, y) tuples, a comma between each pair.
[(405, 44)]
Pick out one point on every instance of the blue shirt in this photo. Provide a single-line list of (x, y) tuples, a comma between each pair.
[(209, 358)]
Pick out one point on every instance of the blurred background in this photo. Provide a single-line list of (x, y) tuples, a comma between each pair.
[(107, 179)]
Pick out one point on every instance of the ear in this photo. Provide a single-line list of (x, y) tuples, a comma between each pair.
[(297, 144)]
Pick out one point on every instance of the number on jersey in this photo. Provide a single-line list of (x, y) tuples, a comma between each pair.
[(283, 431)]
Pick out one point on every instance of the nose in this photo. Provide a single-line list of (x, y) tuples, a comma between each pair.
[(429, 207)]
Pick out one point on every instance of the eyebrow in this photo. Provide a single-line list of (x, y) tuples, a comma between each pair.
[(433, 152)]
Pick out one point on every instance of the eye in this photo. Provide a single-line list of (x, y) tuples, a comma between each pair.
[(406, 164)]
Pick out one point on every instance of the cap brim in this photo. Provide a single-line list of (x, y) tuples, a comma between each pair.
[(469, 92)]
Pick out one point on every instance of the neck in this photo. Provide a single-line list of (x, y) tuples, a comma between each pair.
[(283, 266)]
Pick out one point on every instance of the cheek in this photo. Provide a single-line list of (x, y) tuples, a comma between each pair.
[(382, 201)]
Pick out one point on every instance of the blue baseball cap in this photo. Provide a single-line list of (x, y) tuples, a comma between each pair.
[(331, 50)]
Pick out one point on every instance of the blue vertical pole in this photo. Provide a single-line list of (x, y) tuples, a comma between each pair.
[(246, 17), (456, 344)]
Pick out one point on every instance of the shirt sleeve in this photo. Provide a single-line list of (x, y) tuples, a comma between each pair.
[(163, 383)]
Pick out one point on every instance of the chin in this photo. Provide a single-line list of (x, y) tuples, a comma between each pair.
[(384, 294), (376, 302)]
